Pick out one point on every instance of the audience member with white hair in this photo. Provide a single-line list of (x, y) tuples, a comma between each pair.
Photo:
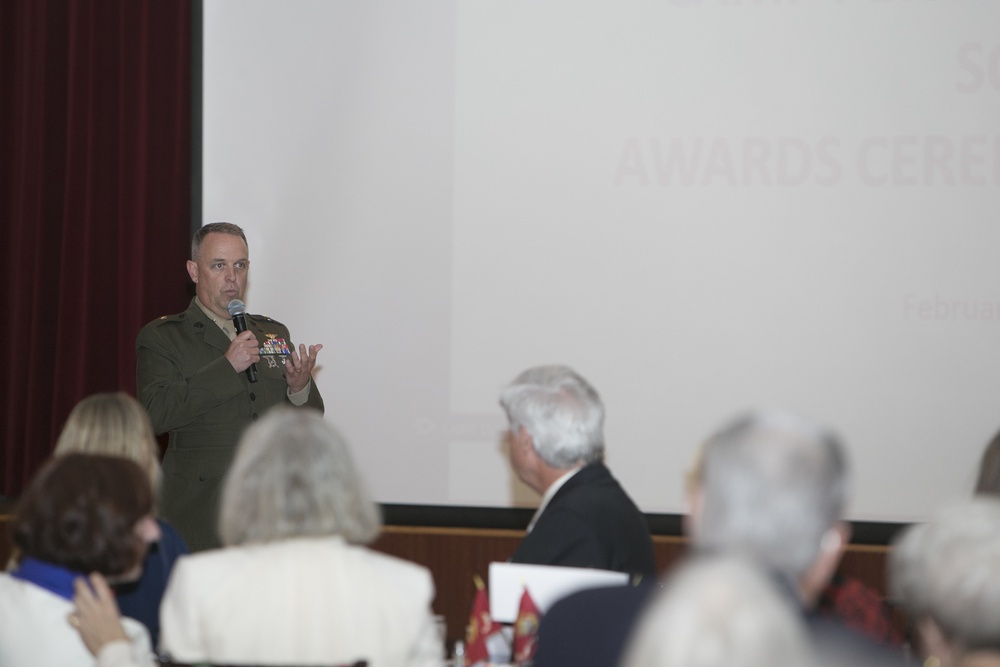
[(556, 446), (946, 572), (773, 486), (293, 584), (720, 611)]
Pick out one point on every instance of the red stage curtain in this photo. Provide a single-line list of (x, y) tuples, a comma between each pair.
[(95, 198)]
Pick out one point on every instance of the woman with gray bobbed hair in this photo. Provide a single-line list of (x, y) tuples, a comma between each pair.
[(294, 477), (947, 574), (294, 585)]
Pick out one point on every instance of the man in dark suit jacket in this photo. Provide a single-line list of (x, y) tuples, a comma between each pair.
[(191, 378), (556, 445)]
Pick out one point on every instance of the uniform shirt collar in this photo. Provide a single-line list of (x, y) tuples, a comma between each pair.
[(225, 325)]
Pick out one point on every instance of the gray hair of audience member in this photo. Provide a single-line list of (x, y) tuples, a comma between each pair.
[(773, 485), (561, 412), (214, 228), (948, 570), (719, 611), (293, 477)]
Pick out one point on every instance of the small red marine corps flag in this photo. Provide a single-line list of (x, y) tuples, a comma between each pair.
[(481, 627), (526, 630)]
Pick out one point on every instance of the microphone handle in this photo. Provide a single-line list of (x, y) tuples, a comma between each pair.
[(240, 322)]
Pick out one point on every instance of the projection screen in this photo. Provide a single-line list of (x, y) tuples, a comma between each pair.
[(704, 206)]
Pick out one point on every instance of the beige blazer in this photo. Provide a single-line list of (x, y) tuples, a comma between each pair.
[(299, 601)]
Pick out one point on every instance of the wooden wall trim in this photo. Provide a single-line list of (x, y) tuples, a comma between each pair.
[(455, 554)]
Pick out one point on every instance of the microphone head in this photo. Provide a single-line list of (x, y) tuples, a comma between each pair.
[(236, 307)]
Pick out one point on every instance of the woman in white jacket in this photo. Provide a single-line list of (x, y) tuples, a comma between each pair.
[(293, 584)]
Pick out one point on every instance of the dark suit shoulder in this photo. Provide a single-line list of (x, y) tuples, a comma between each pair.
[(592, 510), (594, 489), (591, 627)]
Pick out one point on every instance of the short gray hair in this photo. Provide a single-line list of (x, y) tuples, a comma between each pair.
[(773, 484), (293, 477), (214, 228), (561, 412), (719, 611), (948, 569)]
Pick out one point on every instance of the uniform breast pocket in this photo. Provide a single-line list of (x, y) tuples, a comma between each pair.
[(272, 365)]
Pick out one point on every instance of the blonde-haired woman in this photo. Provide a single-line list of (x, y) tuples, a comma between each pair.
[(115, 424)]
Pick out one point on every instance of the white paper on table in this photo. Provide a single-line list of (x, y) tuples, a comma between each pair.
[(545, 583)]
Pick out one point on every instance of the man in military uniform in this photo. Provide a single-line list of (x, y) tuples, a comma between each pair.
[(191, 377)]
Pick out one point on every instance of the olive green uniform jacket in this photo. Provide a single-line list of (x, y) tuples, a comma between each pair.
[(191, 391)]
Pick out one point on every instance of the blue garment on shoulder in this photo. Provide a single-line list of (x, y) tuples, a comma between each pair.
[(53, 578), (141, 599)]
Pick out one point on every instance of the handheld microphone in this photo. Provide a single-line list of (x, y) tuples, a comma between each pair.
[(238, 311)]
